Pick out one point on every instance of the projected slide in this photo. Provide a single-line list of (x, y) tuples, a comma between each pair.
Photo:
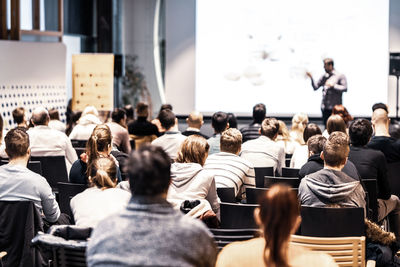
[(259, 51)]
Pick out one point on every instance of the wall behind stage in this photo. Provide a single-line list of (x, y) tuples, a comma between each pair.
[(31, 75)]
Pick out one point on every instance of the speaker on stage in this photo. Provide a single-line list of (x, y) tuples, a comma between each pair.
[(394, 67)]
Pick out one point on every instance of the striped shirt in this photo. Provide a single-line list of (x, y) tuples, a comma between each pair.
[(250, 132), (231, 170)]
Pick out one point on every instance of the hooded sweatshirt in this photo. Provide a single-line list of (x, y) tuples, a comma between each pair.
[(189, 181), (328, 186), (83, 130)]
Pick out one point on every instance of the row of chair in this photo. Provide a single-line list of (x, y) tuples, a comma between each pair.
[(261, 172)]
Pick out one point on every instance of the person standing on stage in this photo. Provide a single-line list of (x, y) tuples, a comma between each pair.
[(333, 84)]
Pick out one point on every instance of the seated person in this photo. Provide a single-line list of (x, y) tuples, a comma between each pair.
[(278, 217), (299, 123), (149, 232), (284, 139), (300, 154), (252, 131), (194, 122), (55, 122), (334, 123), (141, 126), (219, 122), (102, 198), (19, 117), (118, 130), (228, 168), (86, 123)]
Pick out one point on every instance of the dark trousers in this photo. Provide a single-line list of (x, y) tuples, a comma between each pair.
[(325, 115)]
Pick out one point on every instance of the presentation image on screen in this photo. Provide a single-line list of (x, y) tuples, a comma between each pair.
[(255, 51)]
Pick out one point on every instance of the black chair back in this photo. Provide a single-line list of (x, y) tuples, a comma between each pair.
[(237, 216), (226, 194), (66, 191), (371, 186), (393, 174), (332, 222), (78, 143), (260, 173), (254, 193), (292, 182), (34, 166), (290, 172), (223, 237), (54, 169)]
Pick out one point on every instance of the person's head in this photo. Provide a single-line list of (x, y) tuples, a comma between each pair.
[(129, 112), (310, 130), (283, 130), (299, 122), (380, 105), (103, 173), (328, 65), (259, 111), (119, 116), (54, 114), (142, 109), (195, 120), (149, 170), (193, 150), (342, 112), (316, 144), (167, 119), (232, 120), (99, 142), (90, 110), (17, 143), (360, 132), (166, 106), (19, 115), (335, 123), (278, 217), (336, 150), (219, 121), (231, 141), (270, 128), (380, 118), (40, 116)]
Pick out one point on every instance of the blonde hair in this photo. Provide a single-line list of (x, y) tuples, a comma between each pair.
[(299, 123), (193, 150), (99, 141), (103, 173), (231, 140), (283, 131)]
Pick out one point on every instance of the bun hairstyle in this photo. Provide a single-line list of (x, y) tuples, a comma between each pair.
[(103, 173), (279, 210), (99, 141)]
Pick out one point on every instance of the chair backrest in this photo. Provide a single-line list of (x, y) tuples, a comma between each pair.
[(372, 189), (78, 143), (237, 216), (260, 173), (54, 169), (270, 181), (223, 237), (290, 172), (34, 166), (66, 191), (346, 251), (332, 222), (226, 194), (141, 140), (393, 174), (254, 193)]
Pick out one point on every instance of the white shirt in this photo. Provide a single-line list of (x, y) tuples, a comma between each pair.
[(83, 130), (57, 125), (171, 141), (300, 157)]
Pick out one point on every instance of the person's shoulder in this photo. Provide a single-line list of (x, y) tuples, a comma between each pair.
[(300, 256), (186, 225), (241, 252)]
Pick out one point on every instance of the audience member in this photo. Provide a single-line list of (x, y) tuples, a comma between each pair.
[(330, 185), (189, 181), (98, 146), (263, 151), (232, 120), (300, 155), (2, 145), (342, 112), (74, 117), (252, 131), (371, 164), (380, 105), (45, 141), (120, 135), (284, 139), (157, 122), (19, 117), (141, 126), (149, 232), (129, 114), (86, 123), (102, 198), (299, 123), (55, 122), (335, 123), (278, 217), (228, 168), (194, 122), (171, 140), (219, 122)]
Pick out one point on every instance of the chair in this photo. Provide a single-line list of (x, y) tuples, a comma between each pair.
[(141, 140), (54, 169), (223, 237), (237, 216), (290, 172), (288, 157), (260, 173), (332, 222), (78, 143), (346, 251), (226, 194), (270, 181), (253, 193), (66, 191), (34, 166), (372, 189), (79, 150), (393, 174)]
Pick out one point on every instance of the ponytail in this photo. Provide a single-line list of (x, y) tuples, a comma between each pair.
[(103, 173)]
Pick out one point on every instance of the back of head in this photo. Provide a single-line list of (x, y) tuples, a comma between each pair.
[(342, 112), (129, 111), (360, 132), (316, 144), (232, 120), (335, 123), (142, 109), (299, 122), (99, 141), (167, 118), (103, 173), (380, 117), (310, 130), (193, 150), (380, 105), (259, 111), (118, 115), (18, 115), (231, 141), (54, 114), (195, 119), (336, 149), (283, 130), (90, 110), (17, 143), (270, 127), (149, 170), (219, 121), (40, 116), (166, 106), (279, 212)]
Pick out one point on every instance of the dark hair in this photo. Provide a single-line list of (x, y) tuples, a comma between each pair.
[(335, 123), (40, 116), (129, 111), (232, 120), (53, 114), (193, 150), (167, 118), (219, 121), (166, 106), (342, 112), (149, 170), (17, 143), (118, 114), (1, 128), (360, 131), (259, 111), (142, 109), (18, 115), (279, 210), (270, 127), (379, 105), (103, 173), (99, 141), (336, 149), (328, 61), (316, 144), (310, 130), (394, 130)]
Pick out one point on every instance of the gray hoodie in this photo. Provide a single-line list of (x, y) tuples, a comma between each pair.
[(327, 187)]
